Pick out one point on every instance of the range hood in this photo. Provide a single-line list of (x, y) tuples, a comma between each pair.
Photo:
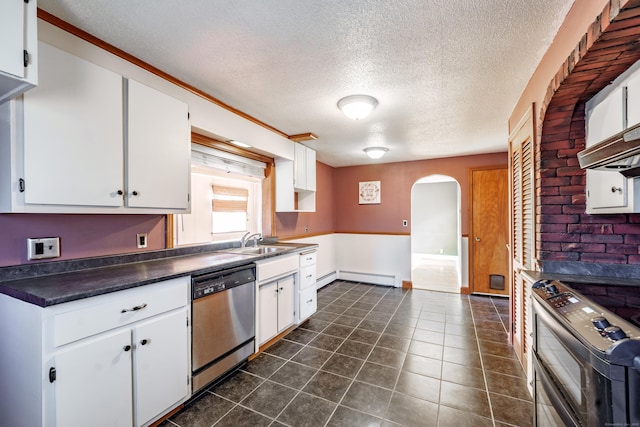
[(620, 153)]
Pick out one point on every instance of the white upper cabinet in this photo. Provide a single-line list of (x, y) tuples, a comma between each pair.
[(158, 149), (614, 109), (73, 133), (296, 181), (606, 190), (304, 168), (86, 140), (18, 47)]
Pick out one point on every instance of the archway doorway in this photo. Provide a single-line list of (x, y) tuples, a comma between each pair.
[(436, 245)]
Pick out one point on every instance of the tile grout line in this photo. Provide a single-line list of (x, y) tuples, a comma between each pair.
[(484, 374), (332, 354), (365, 361)]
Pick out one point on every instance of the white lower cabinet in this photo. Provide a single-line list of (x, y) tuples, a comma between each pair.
[(307, 291), (161, 367), (118, 359), (277, 305), (93, 384)]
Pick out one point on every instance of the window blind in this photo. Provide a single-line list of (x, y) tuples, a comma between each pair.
[(227, 162), (229, 199)]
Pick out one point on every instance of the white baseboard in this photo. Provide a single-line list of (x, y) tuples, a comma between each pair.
[(376, 279)]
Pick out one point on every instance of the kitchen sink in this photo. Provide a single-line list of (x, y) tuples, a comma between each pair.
[(258, 250)]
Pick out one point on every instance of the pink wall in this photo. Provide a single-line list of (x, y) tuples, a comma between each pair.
[(337, 208), (396, 181), (292, 224), (80, 235)]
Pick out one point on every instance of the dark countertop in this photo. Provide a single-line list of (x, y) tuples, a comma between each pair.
[(580, 278), (61, 287)]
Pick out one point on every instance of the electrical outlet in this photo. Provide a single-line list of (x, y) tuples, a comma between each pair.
[(306, 228), (141, 238), (45, 247), (405, 223)]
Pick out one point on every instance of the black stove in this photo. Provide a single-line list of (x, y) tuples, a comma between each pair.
[(602, 316), (621, 300), (586, 354)]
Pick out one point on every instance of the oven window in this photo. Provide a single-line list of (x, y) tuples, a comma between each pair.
[(566, 370)]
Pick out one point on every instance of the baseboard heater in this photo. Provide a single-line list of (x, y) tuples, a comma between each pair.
[(326, 279), (375, 279)]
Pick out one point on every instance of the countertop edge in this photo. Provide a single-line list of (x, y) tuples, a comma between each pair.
[(40, 290)]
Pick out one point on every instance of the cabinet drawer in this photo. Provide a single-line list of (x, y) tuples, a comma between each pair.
[(277, 267), (307, 276), (83, 318), (307, 259), (308, 303)]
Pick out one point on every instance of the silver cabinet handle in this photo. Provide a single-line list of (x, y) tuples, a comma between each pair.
[(477, 239), (144, 341), (136, 308), (309, 276), (616, 189), (126, 348), (310, 301)]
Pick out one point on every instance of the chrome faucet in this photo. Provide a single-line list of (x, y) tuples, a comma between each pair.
[(248, 236)]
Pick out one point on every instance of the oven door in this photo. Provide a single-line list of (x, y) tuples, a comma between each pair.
[(551, 408), (567, 385)]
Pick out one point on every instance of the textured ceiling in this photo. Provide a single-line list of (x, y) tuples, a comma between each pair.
[(446, 73)]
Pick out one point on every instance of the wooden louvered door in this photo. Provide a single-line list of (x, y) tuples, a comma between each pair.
[(521, 162)]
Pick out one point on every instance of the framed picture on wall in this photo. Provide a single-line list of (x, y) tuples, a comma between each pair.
[(369, 193)]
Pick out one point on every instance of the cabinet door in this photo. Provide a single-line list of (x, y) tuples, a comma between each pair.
[(73, 133), (300, 167), (12, 37), (94, 384), (307, 276), (606, 189), (310, 166), (161, 364), (268, 322), (633, 101), (606, 118), (158, 150), (308, 303), (286, 301)]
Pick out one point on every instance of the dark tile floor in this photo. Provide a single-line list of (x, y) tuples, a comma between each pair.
[(378, 356)]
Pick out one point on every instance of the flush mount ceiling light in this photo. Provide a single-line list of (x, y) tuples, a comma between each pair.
[(357, 107), (375, 152)]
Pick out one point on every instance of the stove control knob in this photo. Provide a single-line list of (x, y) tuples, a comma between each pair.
[(540, 284), (614, 333), (600, 323)]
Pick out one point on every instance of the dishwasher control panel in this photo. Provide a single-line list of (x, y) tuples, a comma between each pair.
[(212, 283)]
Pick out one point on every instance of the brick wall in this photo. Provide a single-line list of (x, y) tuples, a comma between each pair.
[(564, 232)]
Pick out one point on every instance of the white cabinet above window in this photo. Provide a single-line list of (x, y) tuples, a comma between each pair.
[(296, 181), (86, 140), (18, 47)]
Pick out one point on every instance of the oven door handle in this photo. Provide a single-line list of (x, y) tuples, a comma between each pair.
[(557, 400)]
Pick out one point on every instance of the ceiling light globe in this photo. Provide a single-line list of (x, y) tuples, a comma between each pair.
[(357, 107), (375, 152)]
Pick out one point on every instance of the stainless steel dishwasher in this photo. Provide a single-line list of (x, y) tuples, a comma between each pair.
[(223, 322)]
